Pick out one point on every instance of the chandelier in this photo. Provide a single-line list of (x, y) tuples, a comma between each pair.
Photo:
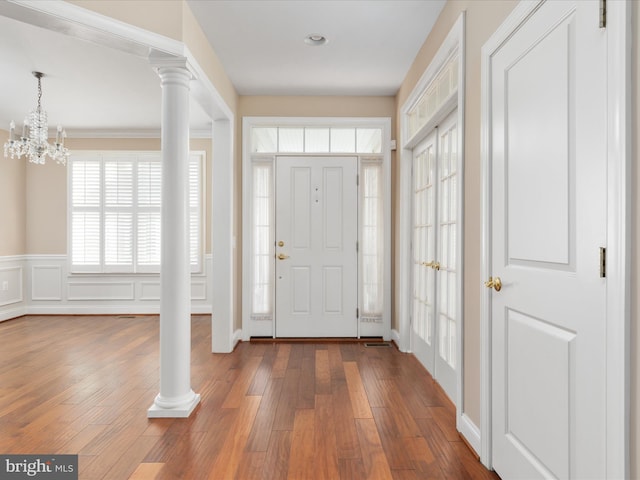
[(33, 143)]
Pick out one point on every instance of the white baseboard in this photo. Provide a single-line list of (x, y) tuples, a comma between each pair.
[(10, 313), (470, 432), (237, 336), (105, 310), (395, 336)]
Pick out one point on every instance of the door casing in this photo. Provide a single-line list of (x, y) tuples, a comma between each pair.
[(453, 44), (247, 189)]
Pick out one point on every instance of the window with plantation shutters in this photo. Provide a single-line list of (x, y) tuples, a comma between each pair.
[(115, 203)]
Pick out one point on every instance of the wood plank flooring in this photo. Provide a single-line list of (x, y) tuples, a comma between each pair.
[(82, 385)]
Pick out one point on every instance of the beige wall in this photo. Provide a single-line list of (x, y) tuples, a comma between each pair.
[(12, 199), (157, 16), (195, 40), (320, 106), (46, 206), (482, 19), (173, 19)]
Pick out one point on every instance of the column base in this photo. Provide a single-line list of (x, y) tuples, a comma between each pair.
[(182, 410)]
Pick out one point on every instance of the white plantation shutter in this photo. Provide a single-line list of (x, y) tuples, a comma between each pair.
[(149, 181), (85, 234), (85, 217), (195, 194), (115, 205), (118, 214)]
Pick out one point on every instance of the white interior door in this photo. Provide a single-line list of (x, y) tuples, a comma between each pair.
[(316, 247), (435, 267), (548, 196)]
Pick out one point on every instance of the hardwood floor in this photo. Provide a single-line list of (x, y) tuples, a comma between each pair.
[(82, 385)]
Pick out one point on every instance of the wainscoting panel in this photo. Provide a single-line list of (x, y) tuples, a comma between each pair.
[(10, 285), (46, 282), (12, 298), (41, 284), (100, 291)]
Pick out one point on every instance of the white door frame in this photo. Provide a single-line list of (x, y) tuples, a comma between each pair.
[(618, 232), (452, 44), (247, 194)]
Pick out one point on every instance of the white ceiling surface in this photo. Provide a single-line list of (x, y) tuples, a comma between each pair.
[(87, 88), (91, 88), (371, 43)]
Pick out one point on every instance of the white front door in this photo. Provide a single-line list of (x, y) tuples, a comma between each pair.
[(435, 266), (316, 246), (548, 214)]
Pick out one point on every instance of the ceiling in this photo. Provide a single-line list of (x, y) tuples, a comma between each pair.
[(371, 44), (90, 88)]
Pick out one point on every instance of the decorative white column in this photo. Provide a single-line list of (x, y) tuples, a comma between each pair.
[(176, 398)]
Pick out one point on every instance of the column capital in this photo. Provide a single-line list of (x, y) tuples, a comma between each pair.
[(161, 60)]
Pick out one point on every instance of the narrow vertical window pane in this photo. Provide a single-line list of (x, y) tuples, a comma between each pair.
[(372, 239), (262, 227)]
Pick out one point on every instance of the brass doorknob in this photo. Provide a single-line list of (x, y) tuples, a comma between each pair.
[(432, 264), (494, 283), (282, 256)]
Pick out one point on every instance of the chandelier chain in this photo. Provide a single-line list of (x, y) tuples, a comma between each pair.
[(39, 93)]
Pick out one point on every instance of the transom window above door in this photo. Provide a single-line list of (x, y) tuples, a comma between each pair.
[(316, 140)]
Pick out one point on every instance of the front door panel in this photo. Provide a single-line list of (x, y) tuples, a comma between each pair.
[(316, 247)]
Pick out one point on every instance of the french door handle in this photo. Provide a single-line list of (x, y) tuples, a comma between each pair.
[(433, 264), (281, 256), (494, 283)]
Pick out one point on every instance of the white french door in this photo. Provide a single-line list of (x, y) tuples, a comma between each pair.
[(548, 163), (316, 247), (435, 266)]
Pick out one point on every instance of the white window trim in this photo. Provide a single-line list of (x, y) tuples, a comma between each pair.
[(101, 269), (452, 45), (247, 187)]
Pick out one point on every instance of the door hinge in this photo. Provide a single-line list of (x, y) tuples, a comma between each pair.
[(603, 262), (603, 13), (357, 312), (357, 180), (357, 246)]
